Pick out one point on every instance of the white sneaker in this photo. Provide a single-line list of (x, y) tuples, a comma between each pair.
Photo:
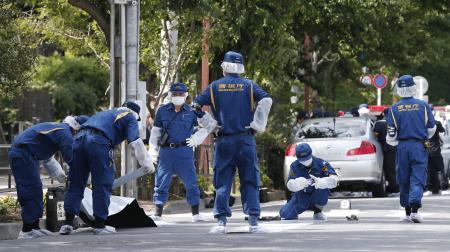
[(320, 217), (197, 218), (156, 217), (34, 233), (405, 219), (257, 230), (427, 193), (66, 230), (219, 229), (446, 192), (105, 231), (46, 232), (416, 218)]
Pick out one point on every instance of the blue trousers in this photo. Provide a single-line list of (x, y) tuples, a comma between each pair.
[(302, 201), (412, 162), (91, 154), (180, 162), (28, 184), (231, 152)]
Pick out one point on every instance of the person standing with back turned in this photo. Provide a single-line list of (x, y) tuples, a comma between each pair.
[(410, 125), (241, 108)]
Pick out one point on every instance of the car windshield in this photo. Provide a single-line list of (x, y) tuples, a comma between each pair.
[(332, 129)]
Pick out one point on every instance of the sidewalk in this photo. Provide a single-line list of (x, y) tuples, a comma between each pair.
[(10, 231)]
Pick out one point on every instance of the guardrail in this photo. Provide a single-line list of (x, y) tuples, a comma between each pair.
[(7, 146)]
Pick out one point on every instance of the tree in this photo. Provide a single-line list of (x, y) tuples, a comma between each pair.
[(17, 53), (76, 84)]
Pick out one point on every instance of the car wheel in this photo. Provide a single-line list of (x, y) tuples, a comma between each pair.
[(379, 189)]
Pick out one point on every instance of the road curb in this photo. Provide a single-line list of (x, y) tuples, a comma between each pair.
[(10, 231)]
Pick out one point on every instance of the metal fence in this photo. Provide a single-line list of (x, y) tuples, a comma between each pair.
[(6, 170)]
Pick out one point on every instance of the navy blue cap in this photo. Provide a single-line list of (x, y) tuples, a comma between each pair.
[(233, 57), (405, 81), (303, 152), (133, 106), (178, 87), (81, 119)]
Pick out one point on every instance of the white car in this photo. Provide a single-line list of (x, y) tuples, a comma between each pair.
[(445, 148), (349, 145)]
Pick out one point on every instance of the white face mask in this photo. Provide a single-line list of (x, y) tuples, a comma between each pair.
[(178, 100), (307, 162)]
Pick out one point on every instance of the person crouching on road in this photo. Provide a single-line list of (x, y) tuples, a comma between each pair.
[(40, 142), (172, 138), (310, 179), (93, 151), (410, 125)]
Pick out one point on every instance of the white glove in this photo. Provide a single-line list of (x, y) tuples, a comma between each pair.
[(261, 114), (155, 135), (142, 156), (325, 183), (153, 149), (295, 185), (431, 132), (207, 122), (150, 168), (197, 138), (154, 153), (55, 170)]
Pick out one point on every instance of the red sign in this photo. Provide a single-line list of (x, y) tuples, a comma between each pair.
[(380, 81)]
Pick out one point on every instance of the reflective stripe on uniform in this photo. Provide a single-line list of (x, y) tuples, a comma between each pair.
[(211, 91), (252, 101), (393, 118), (426, 116), (50, 131), (119, 116)]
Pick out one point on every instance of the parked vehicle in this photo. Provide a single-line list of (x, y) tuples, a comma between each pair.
[(350, 146), (444, 118)]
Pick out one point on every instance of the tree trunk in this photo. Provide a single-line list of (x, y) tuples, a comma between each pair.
[(100, 16)]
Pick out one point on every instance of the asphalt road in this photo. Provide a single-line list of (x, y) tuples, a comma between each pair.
[(378, 229)]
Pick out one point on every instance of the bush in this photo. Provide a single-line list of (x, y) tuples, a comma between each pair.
[(271, 157), (9, 209), (77, 85)]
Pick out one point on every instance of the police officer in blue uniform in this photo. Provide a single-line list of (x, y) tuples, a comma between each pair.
[(310, 179), (93, 151), (410, 125), (171, 140), (241, 108), (40, 142)]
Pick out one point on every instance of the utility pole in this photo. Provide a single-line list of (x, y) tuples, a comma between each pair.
[(307, 56), (203, 163), (126, 47)]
